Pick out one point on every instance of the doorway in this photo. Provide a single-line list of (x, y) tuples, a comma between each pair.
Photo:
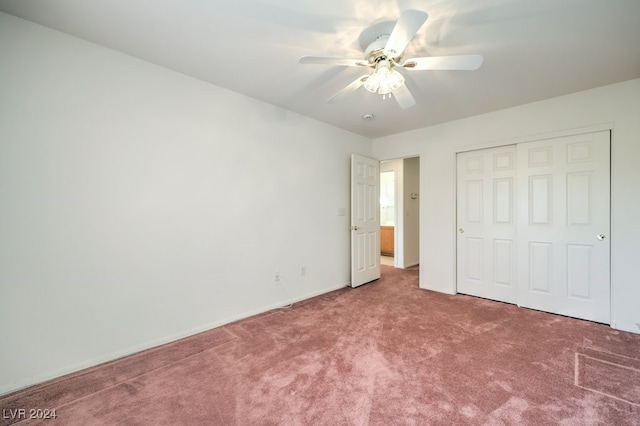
[(400, 212)]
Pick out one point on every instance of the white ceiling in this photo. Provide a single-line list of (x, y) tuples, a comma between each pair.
[(533, 49)]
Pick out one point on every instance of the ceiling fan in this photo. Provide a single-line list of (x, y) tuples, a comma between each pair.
[(384, 54)]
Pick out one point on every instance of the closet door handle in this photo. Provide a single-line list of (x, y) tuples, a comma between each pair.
[(601, 237), (461, 230)]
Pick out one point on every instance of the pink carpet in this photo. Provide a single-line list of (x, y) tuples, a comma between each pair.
[(386, 353)]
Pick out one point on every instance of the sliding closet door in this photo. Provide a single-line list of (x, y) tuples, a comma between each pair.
[(486, 223), (563, 226)]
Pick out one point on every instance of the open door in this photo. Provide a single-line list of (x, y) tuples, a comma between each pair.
[(365, 220)]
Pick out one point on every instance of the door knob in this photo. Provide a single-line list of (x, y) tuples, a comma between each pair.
[(354, 228), (601, 237), (461, 230)]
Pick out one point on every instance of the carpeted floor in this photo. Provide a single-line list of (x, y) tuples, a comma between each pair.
[(386, 353)]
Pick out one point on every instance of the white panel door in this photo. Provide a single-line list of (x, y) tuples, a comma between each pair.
[(365, 220), (486, 246), (563, 226)]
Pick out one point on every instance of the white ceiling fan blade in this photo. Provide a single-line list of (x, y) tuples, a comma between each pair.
[(406, 28), (321, 60), (459, 62), (404, 97), (352, 87)]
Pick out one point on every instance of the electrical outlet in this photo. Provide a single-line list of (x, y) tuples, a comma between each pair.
[(277, 276), (303, 270)]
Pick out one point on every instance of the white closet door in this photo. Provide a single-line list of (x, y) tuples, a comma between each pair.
[(563, 226), (486, 247)]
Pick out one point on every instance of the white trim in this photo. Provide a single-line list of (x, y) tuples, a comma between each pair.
[(538, 137)]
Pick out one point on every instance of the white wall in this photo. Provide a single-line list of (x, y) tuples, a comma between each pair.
[(615, 106), (138, 205)]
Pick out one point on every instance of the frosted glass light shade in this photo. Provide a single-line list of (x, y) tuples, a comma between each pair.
[(384, 79)]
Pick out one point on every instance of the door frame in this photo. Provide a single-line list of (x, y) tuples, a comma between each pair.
[(400, 213)]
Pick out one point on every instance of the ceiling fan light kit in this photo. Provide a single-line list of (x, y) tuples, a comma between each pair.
[(384, 79), (384, 53)]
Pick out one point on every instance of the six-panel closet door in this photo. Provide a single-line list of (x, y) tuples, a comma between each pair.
[(563, 226), (486, 244), (533, 225)]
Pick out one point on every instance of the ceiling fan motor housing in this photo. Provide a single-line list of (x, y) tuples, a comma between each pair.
[(375, 51)]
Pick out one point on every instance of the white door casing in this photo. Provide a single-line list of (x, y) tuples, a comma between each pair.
[(563, 226), (486, 246), (365, 220)]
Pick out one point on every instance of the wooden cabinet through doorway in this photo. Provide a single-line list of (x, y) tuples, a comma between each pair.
[(386, 240)]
